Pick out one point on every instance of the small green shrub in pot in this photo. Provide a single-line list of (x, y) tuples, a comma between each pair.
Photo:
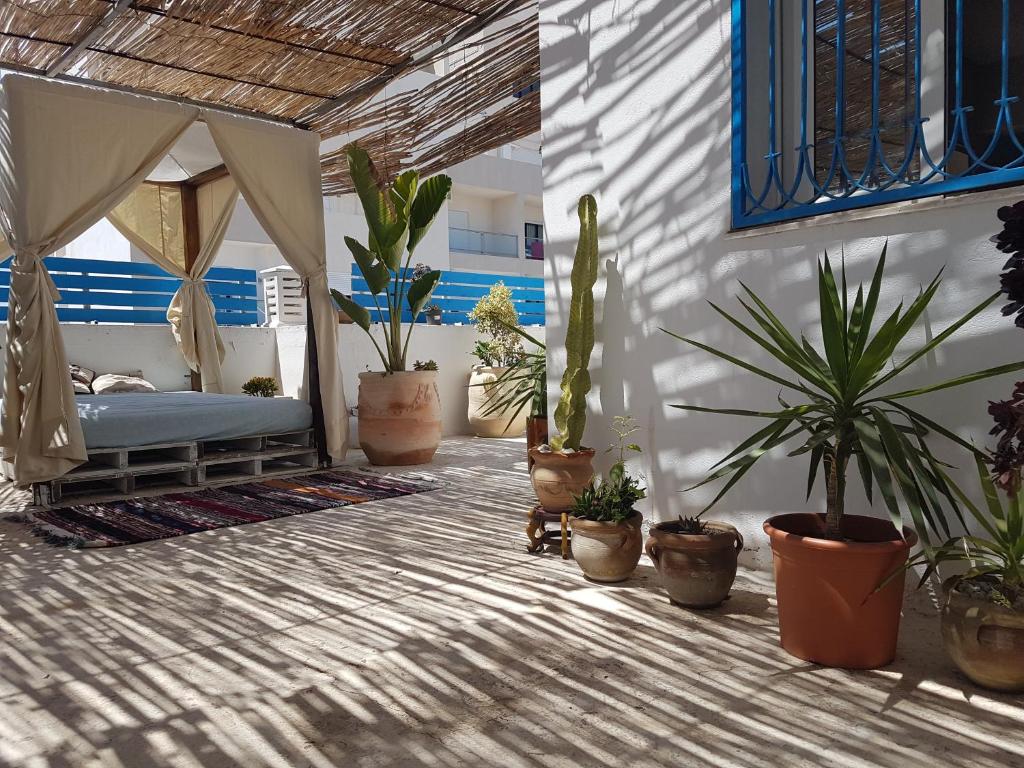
[(494, 315), (606, 537), (260, 386), (850, 411)]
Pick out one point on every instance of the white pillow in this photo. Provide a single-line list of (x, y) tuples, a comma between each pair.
[(80, 388), (112, 383)]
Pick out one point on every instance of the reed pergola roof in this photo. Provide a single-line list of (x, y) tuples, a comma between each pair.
[(316, 64)]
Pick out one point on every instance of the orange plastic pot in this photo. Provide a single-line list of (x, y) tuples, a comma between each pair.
[(829, 610)]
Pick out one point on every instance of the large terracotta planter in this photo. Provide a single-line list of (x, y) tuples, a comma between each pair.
[(399, 417), (829, 611), (482, 393), (697, 570), (607, 552), (558, 477), (985, 640)]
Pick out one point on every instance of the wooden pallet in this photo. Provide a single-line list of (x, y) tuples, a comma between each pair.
[(120, 473)]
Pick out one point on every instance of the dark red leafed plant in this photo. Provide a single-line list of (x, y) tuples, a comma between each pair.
[(1011, 240), (1008, 456)]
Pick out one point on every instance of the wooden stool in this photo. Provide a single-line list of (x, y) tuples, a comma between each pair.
[(538, 534)]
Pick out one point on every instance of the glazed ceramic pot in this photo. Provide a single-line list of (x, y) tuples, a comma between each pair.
[(536, 435), (607, 552), (558, 477), (985, 640), (829, 610), (482, 393), (399, 417), (697, 570)]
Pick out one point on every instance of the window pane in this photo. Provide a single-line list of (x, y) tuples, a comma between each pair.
[(896, 87), (982, 83)]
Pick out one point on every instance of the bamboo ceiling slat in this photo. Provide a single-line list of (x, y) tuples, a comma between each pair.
[(314, 63)]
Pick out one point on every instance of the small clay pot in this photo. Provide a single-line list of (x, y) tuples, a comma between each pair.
[(831, 610), (399, 417), (697, 570), (607, 552), (482, 391), (985, 641), (558, 477)]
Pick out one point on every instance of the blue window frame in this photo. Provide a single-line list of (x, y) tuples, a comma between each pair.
[(836, 104)]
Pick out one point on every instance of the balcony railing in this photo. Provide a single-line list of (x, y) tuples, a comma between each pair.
[(841, 104), (487, 243)]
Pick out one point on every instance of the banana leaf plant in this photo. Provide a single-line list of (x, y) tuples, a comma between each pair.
[(524, 383), (398, 217), (850, 409)]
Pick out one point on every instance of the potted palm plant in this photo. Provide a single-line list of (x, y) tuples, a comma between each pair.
[(983, 617), (606, 528), (563, 468), (399, 409), (524, 384), (828, 567), (496, 316)]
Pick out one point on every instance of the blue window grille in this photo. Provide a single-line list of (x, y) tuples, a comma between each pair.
[(837, 104)]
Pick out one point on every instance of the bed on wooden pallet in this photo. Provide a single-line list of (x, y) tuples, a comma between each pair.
[(162, 441)]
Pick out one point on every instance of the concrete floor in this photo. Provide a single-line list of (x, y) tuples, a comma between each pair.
[(418, 632)]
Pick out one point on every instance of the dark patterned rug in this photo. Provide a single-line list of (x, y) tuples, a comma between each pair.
[(113, 523)]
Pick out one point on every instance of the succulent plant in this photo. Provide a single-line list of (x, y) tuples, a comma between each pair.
[(571, 412)]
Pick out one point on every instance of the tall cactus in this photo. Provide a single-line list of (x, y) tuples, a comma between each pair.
[(571, 413)]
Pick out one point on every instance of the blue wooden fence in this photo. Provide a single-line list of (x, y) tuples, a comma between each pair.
[(97, 291), (458, 293)]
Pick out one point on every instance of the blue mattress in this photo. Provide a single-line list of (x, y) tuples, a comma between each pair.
[(148, 418)]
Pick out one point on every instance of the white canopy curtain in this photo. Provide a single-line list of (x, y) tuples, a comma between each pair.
[(68, 155), (151, 218), (278, 172)]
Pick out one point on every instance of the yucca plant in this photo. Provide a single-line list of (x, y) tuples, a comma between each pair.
[(398, 217), (996, 560), (849, 413)]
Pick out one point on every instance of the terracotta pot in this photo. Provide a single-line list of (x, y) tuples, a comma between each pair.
[(557, 477), (697, 570), (607, 552), (536, 435), (985, 640), (481, 391), (399, 417), (829, 611)]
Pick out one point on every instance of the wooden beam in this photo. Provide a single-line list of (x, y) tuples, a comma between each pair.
[(368, 89), (72, 54), (190, 230), (211, 105), (205, 177)]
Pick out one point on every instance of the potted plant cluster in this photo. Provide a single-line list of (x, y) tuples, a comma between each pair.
[(399, 409), (496, 316), (524, 385), (606, 535), (836, 607), (564, 467)]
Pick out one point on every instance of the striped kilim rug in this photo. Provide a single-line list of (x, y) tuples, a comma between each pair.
[(113, 523)]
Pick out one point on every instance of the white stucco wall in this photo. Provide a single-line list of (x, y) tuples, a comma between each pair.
[(151, 349), (636, 109)]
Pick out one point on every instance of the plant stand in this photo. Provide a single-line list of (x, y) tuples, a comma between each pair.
[(538, 534)]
